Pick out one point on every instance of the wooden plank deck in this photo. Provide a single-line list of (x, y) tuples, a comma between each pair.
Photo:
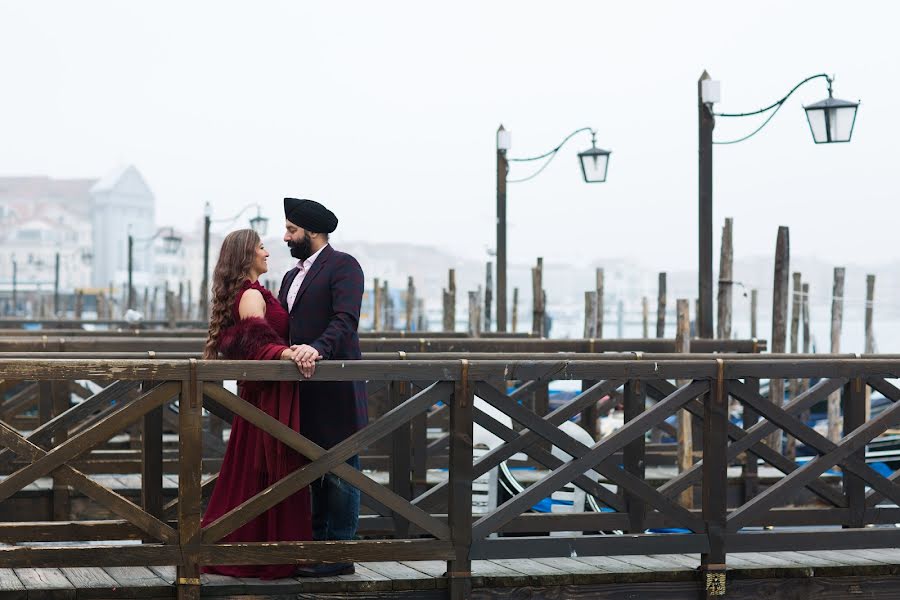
[(823, 575)]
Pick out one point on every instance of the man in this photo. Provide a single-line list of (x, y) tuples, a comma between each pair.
[(323, 294)]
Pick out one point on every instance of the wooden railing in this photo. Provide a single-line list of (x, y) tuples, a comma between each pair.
[(438, 523), (48, 341)]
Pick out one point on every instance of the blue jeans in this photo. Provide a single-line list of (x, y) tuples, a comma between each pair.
[(335, 506)]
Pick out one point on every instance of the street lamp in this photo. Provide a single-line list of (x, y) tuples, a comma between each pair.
[(171, 244), (830, 121), (594, 162), (259, 224)]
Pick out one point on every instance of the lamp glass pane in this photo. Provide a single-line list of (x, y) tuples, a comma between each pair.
[(841, 123), (593, 167), (816, 118)]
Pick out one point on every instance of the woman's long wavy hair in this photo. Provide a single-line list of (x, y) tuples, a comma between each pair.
[(232, 268)]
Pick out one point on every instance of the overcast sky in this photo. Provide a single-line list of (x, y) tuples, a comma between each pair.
[(386, 112)]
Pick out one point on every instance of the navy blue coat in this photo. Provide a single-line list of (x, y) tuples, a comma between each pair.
[(325, 315)]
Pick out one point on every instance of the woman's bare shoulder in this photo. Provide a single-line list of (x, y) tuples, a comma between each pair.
[(252, 304)]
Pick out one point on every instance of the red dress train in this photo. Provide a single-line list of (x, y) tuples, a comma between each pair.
[(254, 460)]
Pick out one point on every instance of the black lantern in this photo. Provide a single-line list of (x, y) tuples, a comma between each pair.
[(831, 120), (171, 242), (594, 162), (259, 223)]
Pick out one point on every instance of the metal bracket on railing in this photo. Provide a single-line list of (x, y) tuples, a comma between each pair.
[(188, 581)]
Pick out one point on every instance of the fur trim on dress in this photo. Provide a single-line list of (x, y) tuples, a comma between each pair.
[(248, 339)]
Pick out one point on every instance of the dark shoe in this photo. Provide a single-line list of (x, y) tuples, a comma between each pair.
[(326, 570)]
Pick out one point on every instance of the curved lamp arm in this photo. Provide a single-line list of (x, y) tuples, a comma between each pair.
[(550, 155), (238, 215), (258, 223), (555, 150), (776, 105)]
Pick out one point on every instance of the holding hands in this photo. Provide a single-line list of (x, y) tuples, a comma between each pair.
[(305, 357)]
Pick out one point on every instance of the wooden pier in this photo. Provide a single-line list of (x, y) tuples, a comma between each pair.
[(812, 532), (824, 574)]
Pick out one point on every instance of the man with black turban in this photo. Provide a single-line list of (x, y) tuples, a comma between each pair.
[(323, 294)]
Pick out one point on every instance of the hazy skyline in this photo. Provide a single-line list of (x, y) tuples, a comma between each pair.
[(386, 112)]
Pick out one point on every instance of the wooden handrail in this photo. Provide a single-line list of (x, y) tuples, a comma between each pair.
[(450, 530)]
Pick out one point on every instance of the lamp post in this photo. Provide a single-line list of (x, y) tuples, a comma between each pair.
[(830, 121), (594, 163), (259, 224), (171, 244)]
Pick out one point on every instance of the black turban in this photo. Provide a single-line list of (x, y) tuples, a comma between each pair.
[(309, 215)]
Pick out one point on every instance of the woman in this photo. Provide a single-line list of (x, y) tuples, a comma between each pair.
[(248, 323)]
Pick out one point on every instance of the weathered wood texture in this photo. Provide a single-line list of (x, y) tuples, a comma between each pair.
[(837, 319), (726, 283), (661, 307), (780, 291)]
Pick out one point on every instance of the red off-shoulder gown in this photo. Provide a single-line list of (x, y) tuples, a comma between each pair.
[(254, 460)]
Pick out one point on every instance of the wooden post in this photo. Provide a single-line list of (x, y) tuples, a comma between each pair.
[(190, 407), (179, 309), (401, 456), (376, 305), (794, 383), (450, 302), (853, 400), (388, 304), (459, 515), (661, 307), (488, 294), (79, 304), (620, 318), (870, 335), (645, 317), (61, 400), (598, 325), (475, 314), (837, 318), (804, 314), (152, 458), (754, 297), (537, 291), (515, 310), (633, 454), (685, 437), (170, 309), (189, 306), (779, 321), (590, 314), (715, 484), (422, 319), (726, 283), (101, 305), (410, 303)]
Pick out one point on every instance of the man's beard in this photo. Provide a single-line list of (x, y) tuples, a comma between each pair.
[(301, 250)]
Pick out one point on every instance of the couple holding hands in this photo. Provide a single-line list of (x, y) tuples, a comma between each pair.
[(315, 316)]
